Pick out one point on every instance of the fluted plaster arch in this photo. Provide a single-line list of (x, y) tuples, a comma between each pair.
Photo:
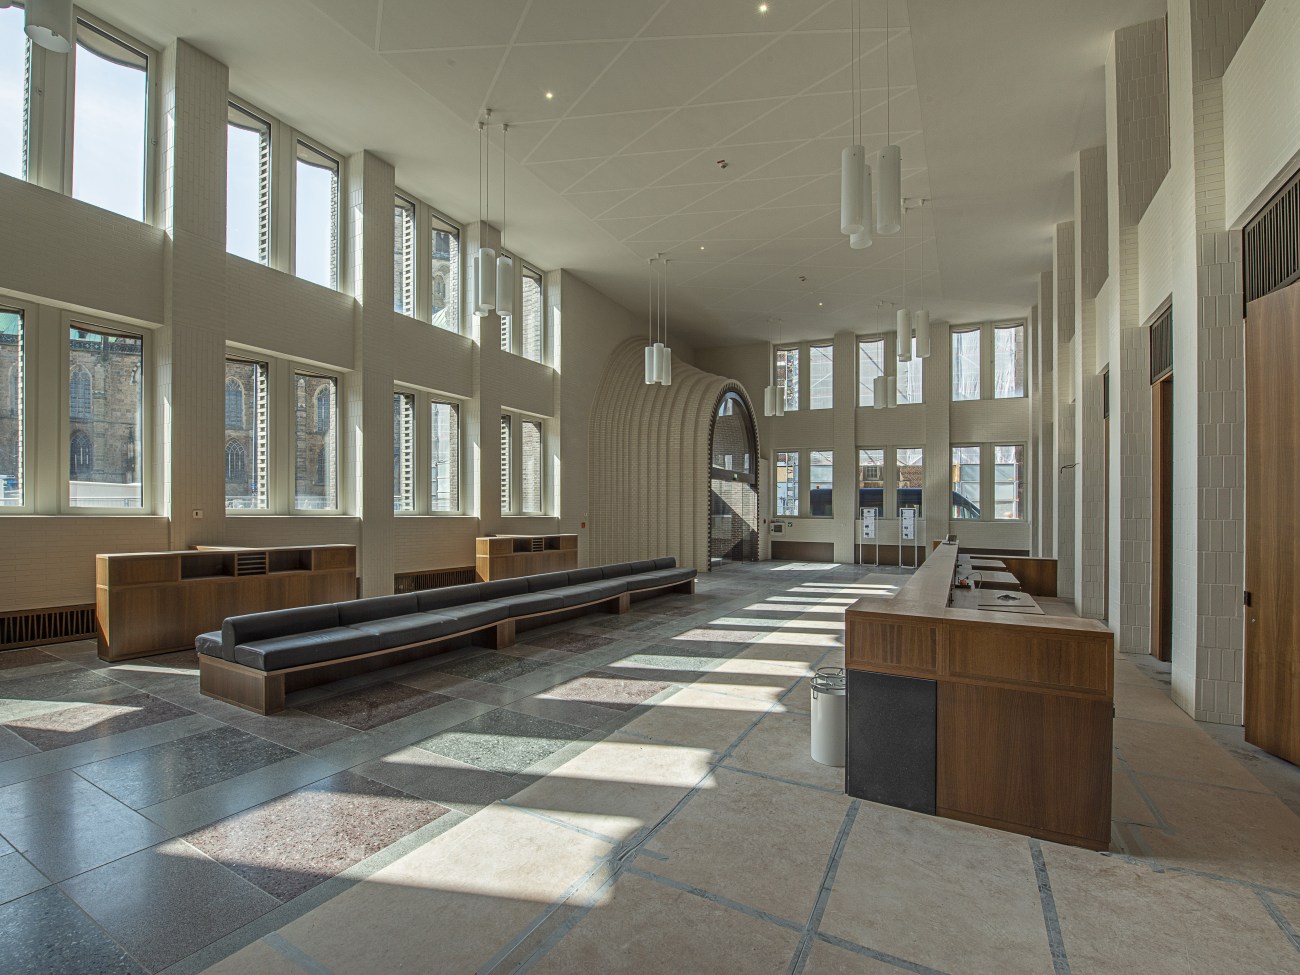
[(649, 461)]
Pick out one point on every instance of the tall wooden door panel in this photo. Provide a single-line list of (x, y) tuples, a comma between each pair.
[(1272, 665), (1162, 517)]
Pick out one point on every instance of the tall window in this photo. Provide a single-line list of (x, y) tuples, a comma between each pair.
[(248, 185), (1008, 482), (445, 444), (871, 480), (403, 256), (787, 483), (403, 452), (966, 482), (248, 430), (1008, 361), (110, 123), (13, 416), (15, 75), (821, 377), (787, 376), (107, 477), (531, 320), (910, 462), (871, 363), (530, 466), (966, 365), (446, 276), (316, 217), (821, 470), (316, 443), (505, 464), (910, 379)]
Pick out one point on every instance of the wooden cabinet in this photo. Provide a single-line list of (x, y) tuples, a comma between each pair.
[(155, 602), (508, 556)]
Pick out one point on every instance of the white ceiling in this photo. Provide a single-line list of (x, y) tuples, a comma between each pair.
[(622, 163)]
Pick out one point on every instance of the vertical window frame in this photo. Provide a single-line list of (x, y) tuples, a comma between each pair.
[(23, 364), (405, 283), (267, 223), (295, 370), (529, 273), (299, 141), (439, 223), (405, 437), (263, 430), (1022, 329)]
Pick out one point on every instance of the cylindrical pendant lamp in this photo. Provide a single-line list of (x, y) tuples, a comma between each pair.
[(50, 24), (889, 191), (505, 286), (666, 367), (893, 392), (879, 392), (862, 240), (485, 275), (903, 335), (852, 162), (658, 349), (650, 376), (921, 320)]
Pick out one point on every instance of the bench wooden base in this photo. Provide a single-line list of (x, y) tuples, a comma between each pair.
[(264, 691)]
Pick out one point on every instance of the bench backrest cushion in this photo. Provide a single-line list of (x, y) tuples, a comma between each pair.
[(431, 599), (502, 588), (580, 577), (276, 622), (616, 570), (547, 580), (644, 565), (666, 563), (377, 608)]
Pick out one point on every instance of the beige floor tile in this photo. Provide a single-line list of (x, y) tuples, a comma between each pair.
[(830, 960), (952, 896), (1149, 702), (1122, 917), (646, 928), (780, 746), (619, 785), (759, 842), (1244, 835), (768, 688), (456, 900), (1127, 804), (1181, 752), (698, 719), (258, 957), (758, 666)]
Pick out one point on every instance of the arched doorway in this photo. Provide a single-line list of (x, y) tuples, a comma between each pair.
[(733, 482)]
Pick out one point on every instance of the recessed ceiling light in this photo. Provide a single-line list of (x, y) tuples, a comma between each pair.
[(820, 304), (550, 95), (701, 247), (762, 8)]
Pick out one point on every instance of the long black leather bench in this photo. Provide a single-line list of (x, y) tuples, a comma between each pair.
[(249, 661)]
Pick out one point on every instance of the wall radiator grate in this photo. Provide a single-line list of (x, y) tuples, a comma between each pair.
[(34, 627), (1162, 345), (250, 563), (433, 579), (1271, 244)]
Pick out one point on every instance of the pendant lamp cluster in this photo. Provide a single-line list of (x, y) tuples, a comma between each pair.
[(658, 356), (494, 277), (50, 24), (861, 215), (773, 395), (885, 388)]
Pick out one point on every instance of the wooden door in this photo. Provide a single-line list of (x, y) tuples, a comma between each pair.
[(1162, 518), (1105, 525), (1273, 523)]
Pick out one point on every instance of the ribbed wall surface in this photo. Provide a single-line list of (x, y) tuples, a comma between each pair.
[(649, 457)]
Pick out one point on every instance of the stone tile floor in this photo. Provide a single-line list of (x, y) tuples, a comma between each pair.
[(612, 794)]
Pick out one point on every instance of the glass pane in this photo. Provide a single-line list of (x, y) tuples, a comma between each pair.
[(871, 363), (787, 483), (966, 365), (1009, 361), (966, 482), (505, 465), (871, 480), (531, 336), (12, 412), (446, 276), (403, 452), (316, 466), (248, 186), (821, 364), (247, 453), (110, 115), (403, 256), (316, 217), (787, 376), (530, 470), (13, 93), (820, 478), (105, 442), (1008, 482), (911, 478), (446, 457), (909, 379)]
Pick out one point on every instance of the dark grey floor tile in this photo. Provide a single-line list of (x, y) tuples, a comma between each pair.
[(66, 826), (496, 668), (57, 686), (84, 722), (465, 688), (607, 690), (45, 933), (12, 746), (291, 728), (568, 640), (444, 780), (18, 659), (503, 741), (164, 771), (18, 877), (582, 713), (191, 902), (370, 707), (291, 844)]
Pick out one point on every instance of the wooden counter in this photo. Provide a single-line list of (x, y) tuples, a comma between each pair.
[(508, 556), (1022, 707)]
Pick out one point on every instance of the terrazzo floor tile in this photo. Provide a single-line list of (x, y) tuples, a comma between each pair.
[(496, 668), (18, 877), (151, 775), (569, 641), (503, 741), (374, 706), (66, 826), (85, 722), (292, 728), (13, 746), (11, 660), (456, 785), (465, 688), (166, 902), (45, 932), (607, 689), (540, 655), (291, 844), (579, 713)]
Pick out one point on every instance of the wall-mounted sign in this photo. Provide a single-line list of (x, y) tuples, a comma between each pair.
[(909, 524), (868, 524)]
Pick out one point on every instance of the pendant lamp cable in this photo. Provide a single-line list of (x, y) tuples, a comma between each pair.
[(665, 302), (504, 128), (889, 132)]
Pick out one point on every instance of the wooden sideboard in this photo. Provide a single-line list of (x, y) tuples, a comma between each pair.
[(155, 602), (507, 556), (994, 718)]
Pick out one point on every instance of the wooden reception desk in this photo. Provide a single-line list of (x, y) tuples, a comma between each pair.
[(1002, 719)]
